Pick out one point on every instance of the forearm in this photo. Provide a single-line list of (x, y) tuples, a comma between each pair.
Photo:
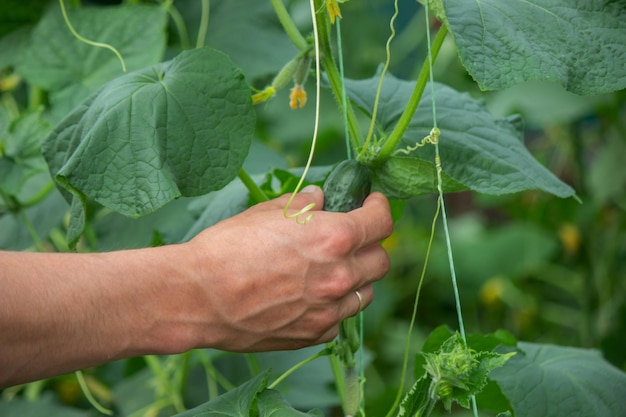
[(63, 312)]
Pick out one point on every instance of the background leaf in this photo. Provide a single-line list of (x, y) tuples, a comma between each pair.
[(577, 43), (477, 150), (260, 47), (70, 69), (556, 381), (44, 406)]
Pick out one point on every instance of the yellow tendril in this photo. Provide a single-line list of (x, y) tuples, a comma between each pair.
[(87, 41), (315, 129), (432, 139)]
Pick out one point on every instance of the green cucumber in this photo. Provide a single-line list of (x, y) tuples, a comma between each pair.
[(347, 186)]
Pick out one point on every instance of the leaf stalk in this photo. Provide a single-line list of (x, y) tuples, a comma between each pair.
[(405, 119), (332, 73)]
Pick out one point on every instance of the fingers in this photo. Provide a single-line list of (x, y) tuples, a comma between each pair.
[(375, 219), (356, 301), (372, 263)]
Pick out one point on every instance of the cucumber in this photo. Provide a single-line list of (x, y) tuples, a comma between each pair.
[(347, 186)]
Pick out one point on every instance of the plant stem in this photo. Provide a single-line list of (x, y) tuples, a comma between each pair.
[(182, 371), (420, 85), (257, 194), (204, 24), (90, 398), (297, 366), (179, 23), (288, 25), (213, 375), (336, 369), (31, 230), (87, 41), (253, 363), (333, 75), (154, 363)]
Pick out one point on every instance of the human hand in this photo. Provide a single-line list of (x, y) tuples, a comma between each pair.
[(270, 283)]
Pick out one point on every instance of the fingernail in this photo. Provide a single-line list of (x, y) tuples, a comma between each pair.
[(310, 189)]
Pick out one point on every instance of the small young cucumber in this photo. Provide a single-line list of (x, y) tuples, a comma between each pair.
[(347, 186)]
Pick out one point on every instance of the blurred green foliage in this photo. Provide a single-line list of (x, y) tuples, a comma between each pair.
[(548, 270)]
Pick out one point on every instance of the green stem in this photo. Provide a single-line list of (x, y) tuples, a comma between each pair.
[(36, 97), (90, 398), (420, 85), (288, 25), (253, 364), (213, 376), (334, 77), (182, 372), (90, 42), (392, 28), (33, 390), (156, 367), (297, 366), (344, 98), (204, 24), (257, 194), (179, 22), (32, 232), (337, 370)]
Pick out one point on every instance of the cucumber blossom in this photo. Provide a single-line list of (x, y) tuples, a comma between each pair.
[(347, 186)]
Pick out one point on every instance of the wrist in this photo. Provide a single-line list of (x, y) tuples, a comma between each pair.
[(181, 317)]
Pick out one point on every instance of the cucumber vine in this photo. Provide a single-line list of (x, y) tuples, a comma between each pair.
[(87, 41)]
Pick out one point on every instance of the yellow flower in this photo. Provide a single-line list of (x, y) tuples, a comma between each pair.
[(333, 10), (570, 238), (264, 95), (297, 97), (492, 290), (9, 82)]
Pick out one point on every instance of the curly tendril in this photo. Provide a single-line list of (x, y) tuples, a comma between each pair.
[(309, 207), (431, 139)]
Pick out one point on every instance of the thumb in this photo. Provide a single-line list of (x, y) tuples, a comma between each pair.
[(311, 194)]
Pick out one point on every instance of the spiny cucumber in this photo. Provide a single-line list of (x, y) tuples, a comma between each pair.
[(347, 186)]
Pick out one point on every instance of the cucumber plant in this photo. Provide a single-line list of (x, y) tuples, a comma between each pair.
[(58, 167)]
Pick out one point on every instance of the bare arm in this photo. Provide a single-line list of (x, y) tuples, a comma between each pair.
[(254, 282)]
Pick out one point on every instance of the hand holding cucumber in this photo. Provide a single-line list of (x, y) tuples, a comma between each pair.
[(254, 282), (278, 284)]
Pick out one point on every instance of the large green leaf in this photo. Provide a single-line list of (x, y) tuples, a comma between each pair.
[(402, 177), (20, 157), (556, 381), (235, 403), (577, 43), (70, 69), (272, 404), (477, 150), (247, 30), (45, 406), (180, 128)]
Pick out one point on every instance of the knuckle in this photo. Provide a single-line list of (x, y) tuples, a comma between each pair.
[(340, 238), (340, 282)]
